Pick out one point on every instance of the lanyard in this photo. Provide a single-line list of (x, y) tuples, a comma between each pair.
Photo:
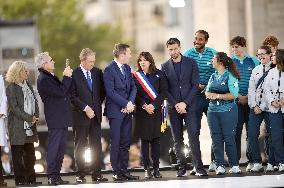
[(278, 90)]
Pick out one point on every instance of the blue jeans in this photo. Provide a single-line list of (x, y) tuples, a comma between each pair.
[(254, 123), (276, 128), (222, 128)]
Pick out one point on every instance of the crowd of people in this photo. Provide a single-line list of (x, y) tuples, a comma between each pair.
[(231, 91)]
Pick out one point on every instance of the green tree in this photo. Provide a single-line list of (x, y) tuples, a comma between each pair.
[(62, 29)]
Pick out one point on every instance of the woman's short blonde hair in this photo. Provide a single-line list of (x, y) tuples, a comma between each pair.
[(13, 73)]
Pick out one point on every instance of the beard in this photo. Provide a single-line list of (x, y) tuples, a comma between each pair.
[(175, 56)]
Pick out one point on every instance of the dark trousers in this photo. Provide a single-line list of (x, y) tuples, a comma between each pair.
[(193, 131), (254, 123), (120, 134), (83, 134), (1, 169), (202, 107), (243, 117), (267, 144), (155, 152), (57, 139), (23, 157), (222, 128), (276, 126)]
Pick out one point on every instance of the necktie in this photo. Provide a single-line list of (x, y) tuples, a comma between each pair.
[(89, 80), (123, 68)]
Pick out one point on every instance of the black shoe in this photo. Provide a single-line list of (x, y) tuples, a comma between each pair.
[(61, 181), (117, 177), (148, 174), (156, 173), (34, 183), (99, 178), (181, 172), (56, 181), (20, 183), (52, 181), (80, 179), (128, 176), (201, 172)]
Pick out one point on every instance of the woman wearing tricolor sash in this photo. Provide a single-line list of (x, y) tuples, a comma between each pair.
[(151, 92)]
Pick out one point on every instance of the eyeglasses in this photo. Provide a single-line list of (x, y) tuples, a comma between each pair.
[(258, 55)]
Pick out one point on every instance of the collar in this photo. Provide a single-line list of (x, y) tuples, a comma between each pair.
[(267, 65), (238, 58), (118, 64), (225, 71), (85, 71)]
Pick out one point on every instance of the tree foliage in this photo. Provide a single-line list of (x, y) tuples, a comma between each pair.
[(62, 29)]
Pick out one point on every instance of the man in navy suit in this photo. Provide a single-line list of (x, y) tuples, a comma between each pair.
[(87, 97), (57, 111), (183, 80), (120, 96)]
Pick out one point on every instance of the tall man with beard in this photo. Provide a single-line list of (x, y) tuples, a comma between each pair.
[(203, 56), (183, 80)]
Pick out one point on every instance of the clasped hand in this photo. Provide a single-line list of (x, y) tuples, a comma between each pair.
[(181, 107), (90, 112), (211, 96), (129, 108), (149, 108)]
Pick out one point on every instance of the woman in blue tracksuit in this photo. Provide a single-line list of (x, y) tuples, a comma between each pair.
[(274, 96), (258, 105), (222, 89)]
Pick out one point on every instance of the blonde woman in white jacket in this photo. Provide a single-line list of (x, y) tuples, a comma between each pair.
[(258, 105), (274, 95), (3, 115)]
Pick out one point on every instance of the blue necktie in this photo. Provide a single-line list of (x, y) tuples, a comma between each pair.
[(89, 80), (123, 68)]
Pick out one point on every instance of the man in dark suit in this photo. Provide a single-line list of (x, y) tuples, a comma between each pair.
[(120, 96), (183, 80), (87, 97), (57, 110)]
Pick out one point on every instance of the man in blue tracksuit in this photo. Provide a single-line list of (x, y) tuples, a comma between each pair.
[(203, 56)]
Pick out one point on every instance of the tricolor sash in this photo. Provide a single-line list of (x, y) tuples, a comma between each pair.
[(149, 89), (146, 85)]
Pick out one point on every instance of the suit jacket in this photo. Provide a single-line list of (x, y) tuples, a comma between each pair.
[(17, 116), (56, 98), (119, 90), (148, 126), (81, 95), (185, 88)]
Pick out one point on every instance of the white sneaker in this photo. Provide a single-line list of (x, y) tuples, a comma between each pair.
[(269, 168), (220, 170), (212, 167), (235, 170), (281, 167), (275, 168), (257, 167), (249, 167)]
